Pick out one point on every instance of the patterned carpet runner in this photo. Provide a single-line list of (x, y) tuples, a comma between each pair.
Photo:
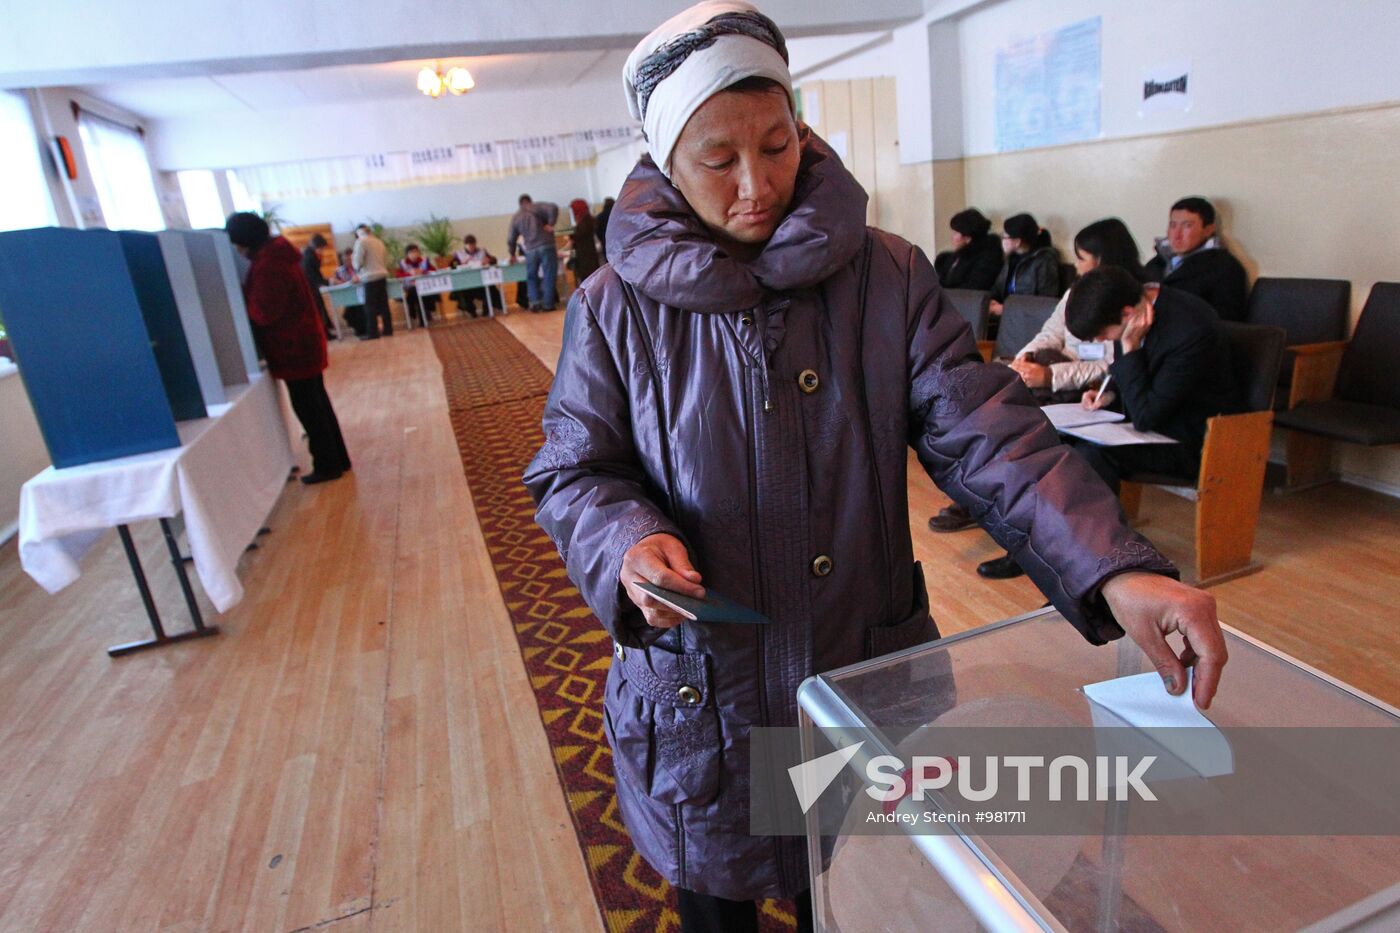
[(496, 390)]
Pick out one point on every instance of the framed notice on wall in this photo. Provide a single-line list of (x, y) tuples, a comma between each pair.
[(1048, 88)]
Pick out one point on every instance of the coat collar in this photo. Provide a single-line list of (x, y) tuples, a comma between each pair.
[(665, 252)]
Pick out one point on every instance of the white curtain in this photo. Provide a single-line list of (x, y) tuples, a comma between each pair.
[(317, 178), (116, 157), (24, 192)]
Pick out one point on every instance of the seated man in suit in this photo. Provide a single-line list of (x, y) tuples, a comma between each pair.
[(1192, 259), (1171, 371)]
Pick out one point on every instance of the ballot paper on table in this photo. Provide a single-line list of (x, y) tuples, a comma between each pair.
[(1136, 716), (1075, 415), (1119, 434)]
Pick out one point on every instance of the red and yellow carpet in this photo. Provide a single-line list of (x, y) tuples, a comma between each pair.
[(496, 390)]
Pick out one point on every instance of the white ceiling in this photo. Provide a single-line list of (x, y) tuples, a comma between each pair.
[(172, 98)]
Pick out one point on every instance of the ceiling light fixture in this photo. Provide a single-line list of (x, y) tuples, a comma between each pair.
[(434, 81)]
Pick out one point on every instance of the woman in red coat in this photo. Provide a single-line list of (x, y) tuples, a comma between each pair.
[(285, 320)]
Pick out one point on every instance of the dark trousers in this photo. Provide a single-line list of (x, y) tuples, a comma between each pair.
[(313, 409), (354, 315), (412, 301), (1116, 464), (377, 306), (466, 300), (702, 913)]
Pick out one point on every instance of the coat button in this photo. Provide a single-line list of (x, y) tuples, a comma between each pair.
[(808, 381), (688, 695), (821, 566), (746, 320)]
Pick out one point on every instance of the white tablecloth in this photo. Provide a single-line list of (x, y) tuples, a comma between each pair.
[(225, 477)]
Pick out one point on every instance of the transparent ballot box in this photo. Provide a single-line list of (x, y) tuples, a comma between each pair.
[(1280, 811)]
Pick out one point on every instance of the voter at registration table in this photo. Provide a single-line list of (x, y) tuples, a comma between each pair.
[(732, 410)]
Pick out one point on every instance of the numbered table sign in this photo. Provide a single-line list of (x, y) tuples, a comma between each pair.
[(492, 275), (434, 284)]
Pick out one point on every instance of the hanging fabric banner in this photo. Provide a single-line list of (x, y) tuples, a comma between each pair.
[(316, 178)]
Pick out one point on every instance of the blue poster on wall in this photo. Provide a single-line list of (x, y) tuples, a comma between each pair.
[(1048, 88)]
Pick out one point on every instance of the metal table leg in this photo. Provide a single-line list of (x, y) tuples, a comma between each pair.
[(161, 638)]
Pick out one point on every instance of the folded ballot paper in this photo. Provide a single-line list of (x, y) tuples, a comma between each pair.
[(1135, 716)]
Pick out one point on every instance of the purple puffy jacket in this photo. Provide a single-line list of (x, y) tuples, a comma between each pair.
[(762, 413)]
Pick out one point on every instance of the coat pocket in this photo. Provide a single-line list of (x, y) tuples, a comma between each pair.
[(915, 628), (672, 696)]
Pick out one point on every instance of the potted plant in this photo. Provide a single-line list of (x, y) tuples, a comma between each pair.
[(437, 237)]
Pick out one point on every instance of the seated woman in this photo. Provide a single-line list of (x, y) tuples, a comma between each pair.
[(415, 263), (1051, 362), (975, 260), (472, 256), (1032, 262), (353, 315), (710, 427), (1052, 365)]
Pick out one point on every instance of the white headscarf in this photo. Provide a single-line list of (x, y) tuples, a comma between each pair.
[(695, 59)]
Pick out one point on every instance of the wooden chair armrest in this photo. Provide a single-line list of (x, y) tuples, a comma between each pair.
[(987, 348), (1314, 372), (1317, 349)]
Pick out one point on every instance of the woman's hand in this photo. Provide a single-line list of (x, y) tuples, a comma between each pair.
[(661, 560), (994, 309), (1149, 607), (1033, 375), (1093, 399)]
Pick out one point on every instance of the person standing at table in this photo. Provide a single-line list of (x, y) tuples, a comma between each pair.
[(585, 249), (534, 223), (600, 228), (311, 268), (370, 259), (282, 309)]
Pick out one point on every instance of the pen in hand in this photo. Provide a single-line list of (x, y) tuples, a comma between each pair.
[(1106, 381)]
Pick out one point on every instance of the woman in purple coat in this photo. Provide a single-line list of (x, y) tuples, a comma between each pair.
[(732, 408)]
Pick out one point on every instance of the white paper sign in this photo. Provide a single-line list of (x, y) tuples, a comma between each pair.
[(492, 276), (1166, 88), (434, 284)]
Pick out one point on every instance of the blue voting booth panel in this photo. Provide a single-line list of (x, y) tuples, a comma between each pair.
[(82, 346), (146, 263)]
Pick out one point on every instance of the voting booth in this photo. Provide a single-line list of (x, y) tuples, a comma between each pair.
[(1301, 868), (98, 341)]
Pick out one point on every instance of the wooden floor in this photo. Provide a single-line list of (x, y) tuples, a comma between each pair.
[(360, 749)]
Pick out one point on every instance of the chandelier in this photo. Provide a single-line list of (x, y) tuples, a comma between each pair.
[(434, 81)]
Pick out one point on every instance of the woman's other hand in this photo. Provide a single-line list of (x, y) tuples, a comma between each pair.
[(663, 561)]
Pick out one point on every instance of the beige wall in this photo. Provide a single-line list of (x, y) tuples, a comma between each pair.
[(1312, 195), (901, 196)]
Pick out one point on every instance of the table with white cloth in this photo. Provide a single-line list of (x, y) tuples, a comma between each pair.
[(224, 478)]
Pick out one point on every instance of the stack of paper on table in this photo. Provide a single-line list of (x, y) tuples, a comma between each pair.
[(1075, 415)]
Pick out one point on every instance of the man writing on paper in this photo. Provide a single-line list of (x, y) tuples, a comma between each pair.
[(1171, 371)]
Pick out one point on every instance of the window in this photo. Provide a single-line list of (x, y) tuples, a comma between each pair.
[(242, 200), (116, 157), (202, 204), (24, 191)]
